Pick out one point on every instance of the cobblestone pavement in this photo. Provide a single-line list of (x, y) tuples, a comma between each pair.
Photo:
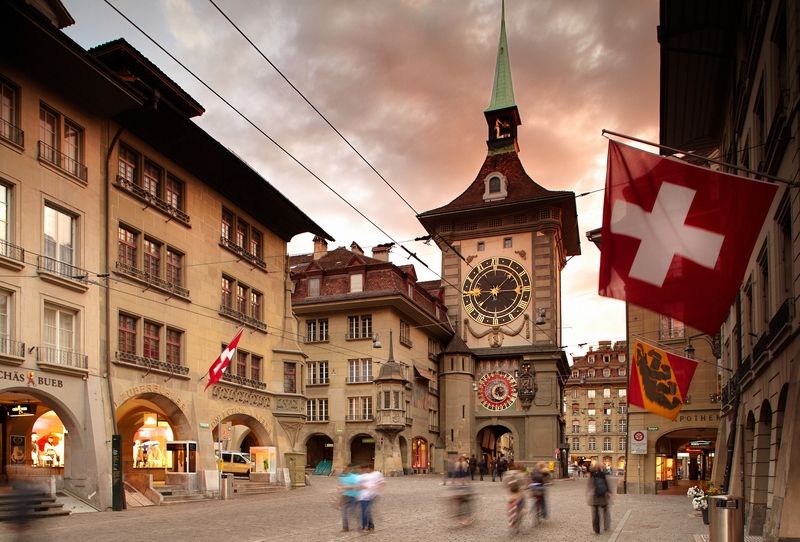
[(411, 508)]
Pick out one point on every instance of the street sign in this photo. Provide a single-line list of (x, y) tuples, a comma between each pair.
[(639, 442), (653, 428)]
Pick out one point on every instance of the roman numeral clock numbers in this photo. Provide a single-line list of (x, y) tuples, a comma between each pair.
[(496, 291)]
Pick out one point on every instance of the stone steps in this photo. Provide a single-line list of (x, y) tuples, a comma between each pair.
[(31, 504)]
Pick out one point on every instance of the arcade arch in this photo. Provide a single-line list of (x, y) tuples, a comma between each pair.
[(685, 454), (40, 436), (319, 447), (362, 449), (494, 441), (146, 423)]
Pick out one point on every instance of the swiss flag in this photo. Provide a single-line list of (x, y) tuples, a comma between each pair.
[(222, 361), (677, 237)]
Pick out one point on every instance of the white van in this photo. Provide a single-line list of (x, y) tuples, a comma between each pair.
[(237, 463)]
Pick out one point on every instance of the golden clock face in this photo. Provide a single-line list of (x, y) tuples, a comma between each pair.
[(496, 291)]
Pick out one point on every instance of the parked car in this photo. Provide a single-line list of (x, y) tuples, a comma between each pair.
[(237, 463)]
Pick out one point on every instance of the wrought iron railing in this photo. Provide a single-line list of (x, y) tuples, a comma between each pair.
[(152, 364), (243, 381), (12, 133), (244, 253), (409, 420), (145, 196), (433, 428), (10, 347), (63, 357), (241, 317), (63, 269), (12, 251), (781, 318), (152, 280), (63, 162)]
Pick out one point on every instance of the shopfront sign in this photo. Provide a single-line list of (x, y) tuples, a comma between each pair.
[(30, 379), (638, 442), (20, 410), (653, 428)]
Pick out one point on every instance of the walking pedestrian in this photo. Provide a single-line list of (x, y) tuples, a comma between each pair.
[(502, 466), (348, 486), (599, 499), (473, 465), (370, 482), (494, 468), (482, 466)]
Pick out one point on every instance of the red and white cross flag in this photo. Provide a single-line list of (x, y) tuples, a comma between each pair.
[(676, 237), (221, 363)]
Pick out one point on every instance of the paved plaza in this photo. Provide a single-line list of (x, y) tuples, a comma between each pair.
[(411, 508)]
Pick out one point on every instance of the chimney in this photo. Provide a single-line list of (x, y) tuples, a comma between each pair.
[(357, 249), (320, 247), (381, 252)]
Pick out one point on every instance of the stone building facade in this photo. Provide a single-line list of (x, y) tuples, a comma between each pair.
[(597, 407), (135, 246), (347, 303), (754, 86)]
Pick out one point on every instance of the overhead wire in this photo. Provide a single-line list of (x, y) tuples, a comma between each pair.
[(330, 124)]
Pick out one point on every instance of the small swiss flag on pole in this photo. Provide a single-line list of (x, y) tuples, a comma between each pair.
[(221, 363), (676, 237)]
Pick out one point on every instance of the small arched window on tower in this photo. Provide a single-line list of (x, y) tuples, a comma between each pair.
[(495, 186)]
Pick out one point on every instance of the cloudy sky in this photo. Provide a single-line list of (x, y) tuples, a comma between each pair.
[(406, 81)]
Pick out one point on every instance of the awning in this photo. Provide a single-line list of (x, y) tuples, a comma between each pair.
[(422, 372)]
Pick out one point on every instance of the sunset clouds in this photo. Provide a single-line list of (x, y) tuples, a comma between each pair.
[(407, 83)]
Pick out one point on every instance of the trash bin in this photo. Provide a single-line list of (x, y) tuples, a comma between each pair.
[(726, 518), (226, 489)]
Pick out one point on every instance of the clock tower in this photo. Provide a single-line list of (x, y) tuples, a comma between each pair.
[(504, 242)]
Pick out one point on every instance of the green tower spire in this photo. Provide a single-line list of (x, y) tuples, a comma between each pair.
[(503, 90)]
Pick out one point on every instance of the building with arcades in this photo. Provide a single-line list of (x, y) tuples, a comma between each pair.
[(596, 407)]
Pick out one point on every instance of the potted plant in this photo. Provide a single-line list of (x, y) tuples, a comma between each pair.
[(699, 495)]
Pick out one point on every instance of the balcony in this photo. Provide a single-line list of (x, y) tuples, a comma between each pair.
[(227, 310), (433, 389), (12, 255), (62, 273), (358, 418), (405, 341), (313, 340), (61, 161), (11, 133), (152, 365), (317, 382), (11, 351), (433, 428), (152, 280), (243, 381), (62, 360), (152, 201), (243, 253), (409, 420), (357, 337)]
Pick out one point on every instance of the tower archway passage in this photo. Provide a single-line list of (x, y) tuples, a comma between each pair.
[(494, 442)]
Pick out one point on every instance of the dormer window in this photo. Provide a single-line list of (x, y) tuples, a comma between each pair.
[(356, 283), (313, 287), (495, 187)]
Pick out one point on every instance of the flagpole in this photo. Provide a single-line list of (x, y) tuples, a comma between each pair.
[(712, 160)]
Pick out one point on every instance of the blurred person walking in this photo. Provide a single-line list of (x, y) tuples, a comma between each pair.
[(370, 482), (348, 486), (599, 499)]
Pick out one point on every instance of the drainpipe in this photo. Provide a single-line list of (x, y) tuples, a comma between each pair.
[(106, 240), (731, 444)]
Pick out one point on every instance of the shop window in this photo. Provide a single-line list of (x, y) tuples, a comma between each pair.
[(150, 443), (46, 443)]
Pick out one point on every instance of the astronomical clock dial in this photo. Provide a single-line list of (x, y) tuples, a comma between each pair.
[(496, 291), (497, 390)]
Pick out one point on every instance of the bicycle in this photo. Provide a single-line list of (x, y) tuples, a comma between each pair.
[(538, 510)]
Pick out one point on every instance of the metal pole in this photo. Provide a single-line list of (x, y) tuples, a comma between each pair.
[(219, 458), (712, 160)]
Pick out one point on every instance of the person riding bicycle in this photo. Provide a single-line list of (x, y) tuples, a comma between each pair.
[(540, 477)]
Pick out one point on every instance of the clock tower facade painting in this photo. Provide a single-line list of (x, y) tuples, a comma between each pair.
[(504, 242)]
